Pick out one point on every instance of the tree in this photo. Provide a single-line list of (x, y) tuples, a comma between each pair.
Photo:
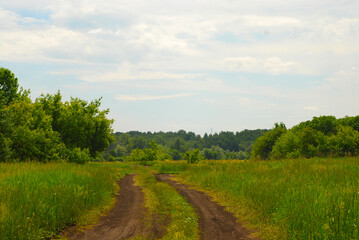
[(80, 124), (193, 156), (308, 142), (324, 124), (214, 153), (345, 142), (263, 146), (9, 87), (6, 128), (151, 152), (178, 144), (287, 146), (136, 155), (32, 137)]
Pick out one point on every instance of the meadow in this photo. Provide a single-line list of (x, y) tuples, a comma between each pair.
[(38, 200), (283, 199), (286, 199)]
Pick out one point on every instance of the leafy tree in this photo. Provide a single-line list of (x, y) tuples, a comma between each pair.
[(136, 155), (32, 136), (308, 142), (49, 129), (323, 136), (78, 155), (53, 106), (287, 146), (9, 87), (345, 142), (151, 152), (6, 128), (324, 124), (139, 142), (193, 156), (214, 153), (350, 121), (175, 154), (263, 145), (80, 124), (178, 144)]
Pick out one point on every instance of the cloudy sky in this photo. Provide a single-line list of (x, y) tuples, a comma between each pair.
[(195, 65)]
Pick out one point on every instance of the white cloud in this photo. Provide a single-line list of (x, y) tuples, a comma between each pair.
[(133, 98), (271, 21), (209, 100), (335, 95), (182, 46), (126, 74), (253, 103), (345, 78), (311, 108), (344, 28), (273, 65)]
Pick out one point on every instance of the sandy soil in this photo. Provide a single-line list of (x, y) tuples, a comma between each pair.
[(215, 223)]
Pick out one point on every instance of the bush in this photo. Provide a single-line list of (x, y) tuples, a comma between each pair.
[(193, 156), (263, 146), (286, 146), (78, 155)]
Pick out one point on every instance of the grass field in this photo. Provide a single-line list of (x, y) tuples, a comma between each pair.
[(289, 199), (39, 200)]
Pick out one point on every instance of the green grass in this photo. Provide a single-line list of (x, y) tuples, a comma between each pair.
[(288, 199), (39, 200), (171, 167), (163, 202)]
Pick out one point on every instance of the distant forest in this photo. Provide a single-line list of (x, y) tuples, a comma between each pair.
[(324, 136), (173, 145)]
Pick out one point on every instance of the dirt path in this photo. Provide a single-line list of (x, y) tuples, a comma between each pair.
[(125, 220), (215, 223)]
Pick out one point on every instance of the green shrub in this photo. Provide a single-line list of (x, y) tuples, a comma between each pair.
[(78, 155), (193, 156)]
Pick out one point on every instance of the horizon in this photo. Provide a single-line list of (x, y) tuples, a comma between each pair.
[(166, 66)]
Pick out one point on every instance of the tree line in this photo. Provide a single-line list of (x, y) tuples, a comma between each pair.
[(49, 128), (324, 136), (145, 146)]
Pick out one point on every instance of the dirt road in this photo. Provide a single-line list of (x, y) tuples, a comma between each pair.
[(215, 223), (129, 218), (125, 220)]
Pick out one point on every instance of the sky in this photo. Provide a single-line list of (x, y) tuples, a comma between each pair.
[(202, 66)]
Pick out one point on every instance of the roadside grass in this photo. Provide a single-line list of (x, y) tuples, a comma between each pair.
[(286, 199), (171, 166), (38, 200), (164, 203)]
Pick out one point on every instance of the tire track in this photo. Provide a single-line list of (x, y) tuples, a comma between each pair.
[(215, 223), (125, 220)]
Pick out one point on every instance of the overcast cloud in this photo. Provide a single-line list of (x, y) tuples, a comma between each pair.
[(196, 65)]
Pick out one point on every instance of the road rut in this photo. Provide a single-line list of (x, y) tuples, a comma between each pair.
[(125, 220), (215, 223)]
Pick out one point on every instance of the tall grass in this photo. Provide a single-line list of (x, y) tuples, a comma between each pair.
[(299, 199), (39, 200)]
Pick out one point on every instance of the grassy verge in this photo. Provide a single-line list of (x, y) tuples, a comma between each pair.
[(39, 200), (164, 202), (289, 199)]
